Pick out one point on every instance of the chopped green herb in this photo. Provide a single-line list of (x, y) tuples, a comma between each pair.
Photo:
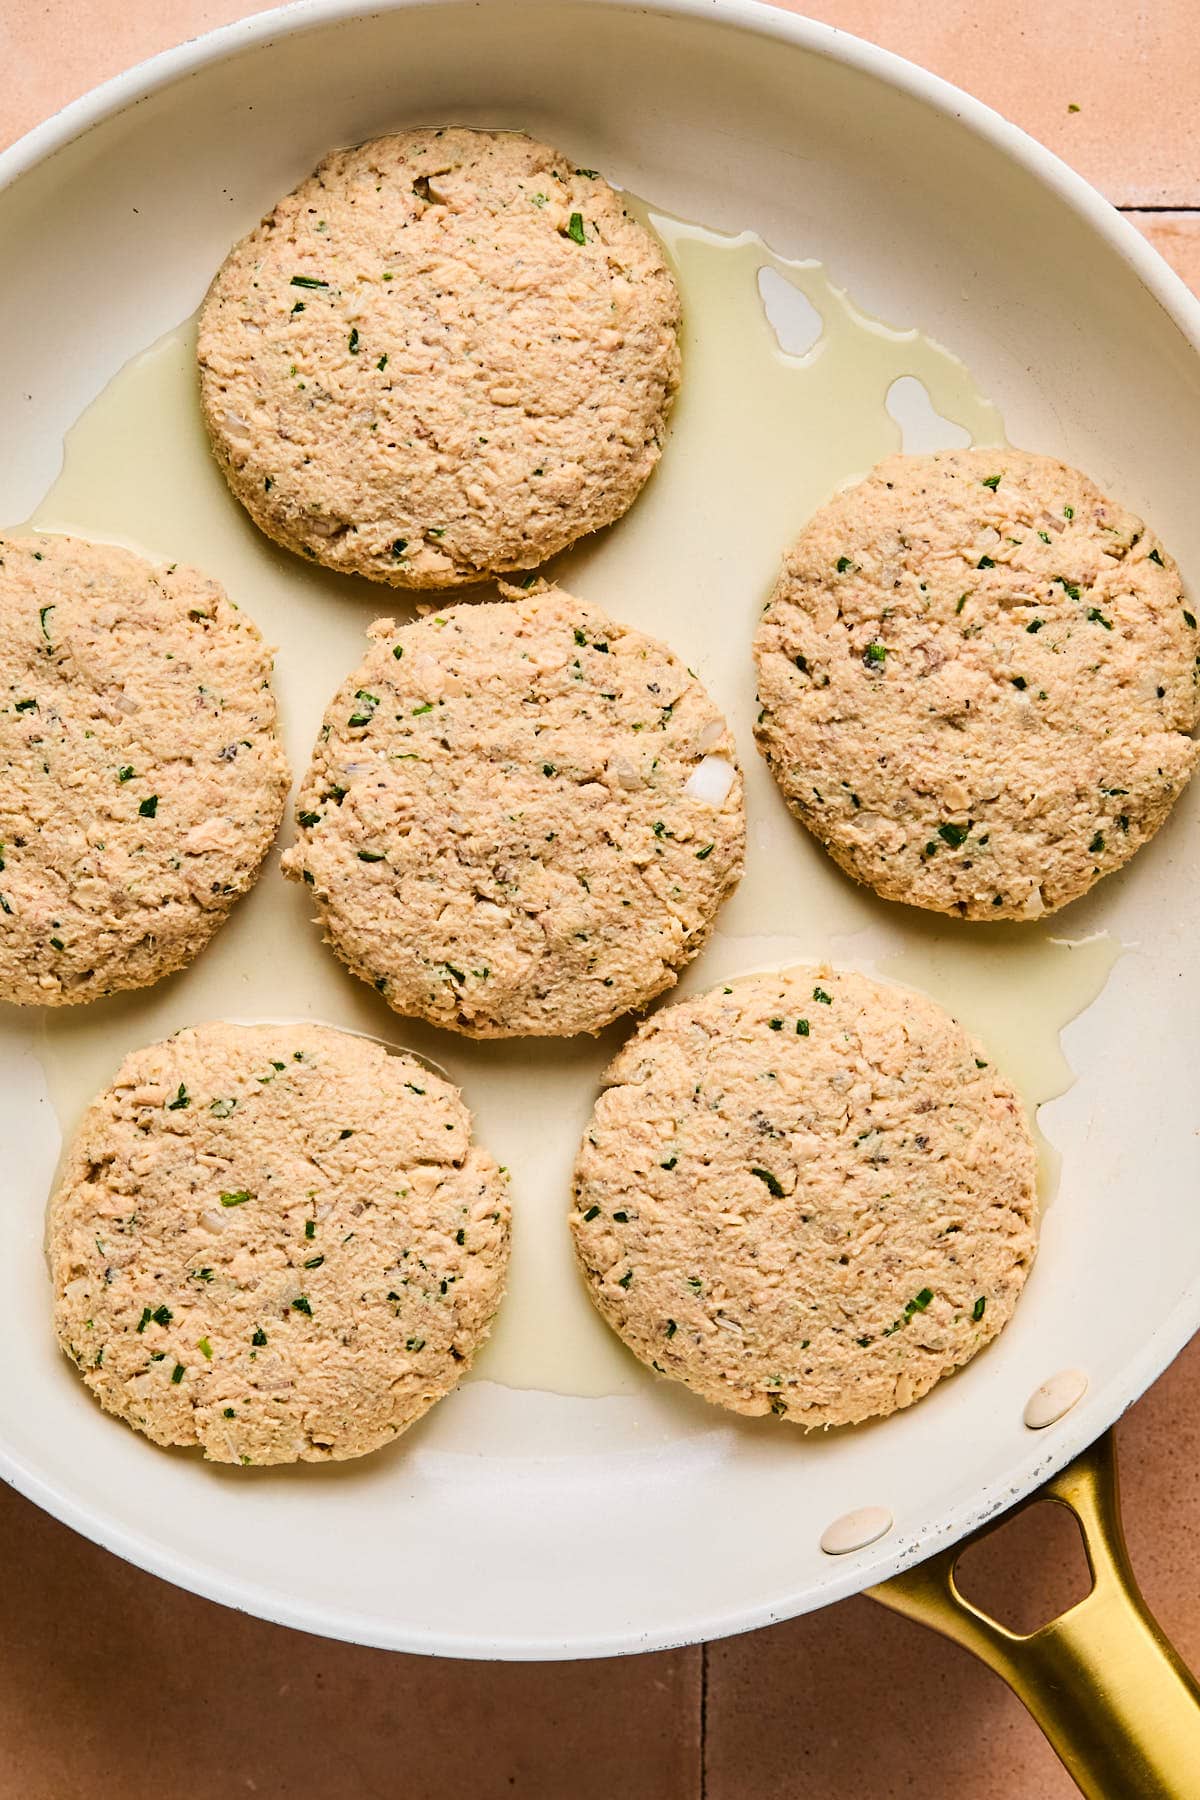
[(707, 851), (382, 363), (977, 1311), (314, 1262), (427, 706), (414, 1344), (802, 1028), (1096, 845), (177, 1374), (1068, 587), (1189, 619), (354, 340), (182, 1099), (772, 1183), (962, 601), (672, 1328), (992, 481), (162, 1315), (301, 1304), (372, 856), (309, 819), (775, 1024), (591, 1213), (843, 564), (1034, 626), (205, 1348), (238, 1198), (308, 281), (147, 1315), (222, 1108), (670, 1163), (575, 229), (625, 1279), (125, 773), (1156, 558), (149, 806), (824, 998), (985, 562), (259, 1338), (875, 654), (954, 835), (1068, 512), (1098, 618), (1020, 682)]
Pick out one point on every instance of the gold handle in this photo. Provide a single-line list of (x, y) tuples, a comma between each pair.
[(1101, 1680)]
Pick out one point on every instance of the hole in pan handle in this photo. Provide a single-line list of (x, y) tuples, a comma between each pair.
[(1111, 1695)]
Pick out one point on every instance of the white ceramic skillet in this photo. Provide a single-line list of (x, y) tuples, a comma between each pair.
[(524, 1524)]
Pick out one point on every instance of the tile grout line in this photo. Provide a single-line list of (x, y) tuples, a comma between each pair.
[(704, 1722)]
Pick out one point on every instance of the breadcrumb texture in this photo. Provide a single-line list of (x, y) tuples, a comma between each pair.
[(447, 354), (276, 1242), (521, 818), (144, 780), (808, 1194), (978, 677)]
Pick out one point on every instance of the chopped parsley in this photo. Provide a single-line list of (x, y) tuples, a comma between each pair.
[(182, 1099), (1097, 618), (259, 1338), (843, 564), (372, 856), (177, 1374), (977, 1311), (575, 229), (205, 1348), (222, 1108), (1096, 845), (125, 773), (991, 481), (802, 1028), (308, 281), (824, 998), (773, 1184), (238, 1198), (149, 806), (309, 819), (875, 654), (301, 1304), (954, 835), (353, 346), (985, 562)]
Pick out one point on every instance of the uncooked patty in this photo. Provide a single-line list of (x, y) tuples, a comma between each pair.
[(144, 780), (977, 679), (276, 1242), (520, 818), (446, 354), (807, 1194)]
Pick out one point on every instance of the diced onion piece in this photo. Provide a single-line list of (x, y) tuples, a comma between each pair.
[(711, 780), (712, 734)]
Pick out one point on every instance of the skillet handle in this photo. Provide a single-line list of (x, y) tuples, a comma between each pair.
[(1101, 1680)]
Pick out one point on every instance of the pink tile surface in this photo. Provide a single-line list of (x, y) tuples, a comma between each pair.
[(112, 1683)]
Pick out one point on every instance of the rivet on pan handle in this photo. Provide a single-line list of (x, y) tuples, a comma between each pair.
[(1101, 1680)]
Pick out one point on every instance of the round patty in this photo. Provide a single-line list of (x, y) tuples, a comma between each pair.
[(446, 354), (520, 818), (276, 1242), (977, 678), (143, 778), (807, 1194)]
